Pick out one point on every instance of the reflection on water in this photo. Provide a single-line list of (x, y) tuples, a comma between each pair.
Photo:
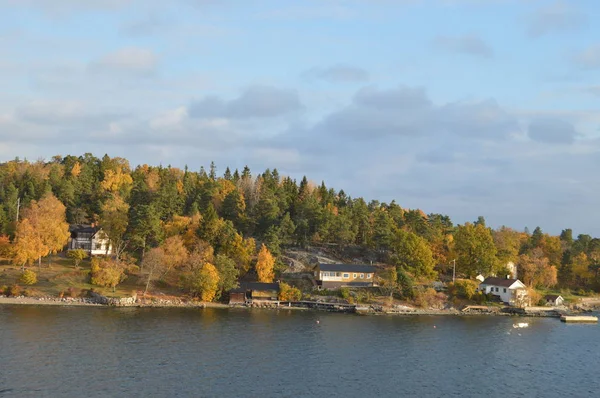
[(100, 352)]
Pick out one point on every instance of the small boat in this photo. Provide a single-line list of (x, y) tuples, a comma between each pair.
[(520, 325)]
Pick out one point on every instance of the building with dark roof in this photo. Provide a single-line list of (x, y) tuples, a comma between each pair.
[(254, 291), (90, 238), (554, 300), (334, 276), (509, 291)]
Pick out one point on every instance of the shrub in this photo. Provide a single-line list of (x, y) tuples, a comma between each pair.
[(345, 293), (28, 277), (429, 298), (13, 290), (462, 289), (289, 293)]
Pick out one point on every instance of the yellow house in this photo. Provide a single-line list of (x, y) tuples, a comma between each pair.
[(334, 276)]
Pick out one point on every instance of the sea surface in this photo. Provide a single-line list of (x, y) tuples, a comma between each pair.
[(133, 352)]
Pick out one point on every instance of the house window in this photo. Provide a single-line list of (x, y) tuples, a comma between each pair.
[(362, 276), (497, 290), (338, 274), (354, 276), (368, 276), (504, 290), (98, 246), (346, 276)]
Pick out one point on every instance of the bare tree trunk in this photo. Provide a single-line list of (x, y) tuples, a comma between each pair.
[(40, 263), (148, 281)]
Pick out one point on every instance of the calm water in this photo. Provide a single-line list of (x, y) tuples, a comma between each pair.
[(108, 352)]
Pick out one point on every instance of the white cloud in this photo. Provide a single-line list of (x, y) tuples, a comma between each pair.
[(466, 44), (130, 60), (559, 16)]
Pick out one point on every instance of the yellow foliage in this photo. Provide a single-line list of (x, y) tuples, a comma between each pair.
[(153, 180), (210, 282), (289, 293), (115, 180), (225, 187), (175, 252), (5, 247), (76, 170), (107, 272), (264, 265), (28, 277), (42, 230)]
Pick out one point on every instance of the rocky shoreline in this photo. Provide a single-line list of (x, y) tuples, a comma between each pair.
[(96, 300)]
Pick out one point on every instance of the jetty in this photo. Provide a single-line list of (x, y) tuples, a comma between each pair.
[(579, 319)]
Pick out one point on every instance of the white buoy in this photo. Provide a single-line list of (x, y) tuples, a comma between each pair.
[(520, 325)]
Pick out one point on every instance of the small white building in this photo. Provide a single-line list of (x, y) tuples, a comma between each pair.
[(510, 291), (554, 300), (90, 238)]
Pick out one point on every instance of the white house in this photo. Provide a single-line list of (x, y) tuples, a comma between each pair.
[(510, 291), (554, 300), (90, 238)]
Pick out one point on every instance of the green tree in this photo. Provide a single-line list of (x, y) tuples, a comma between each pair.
[(228, 273), (474, 249), (412, 253)]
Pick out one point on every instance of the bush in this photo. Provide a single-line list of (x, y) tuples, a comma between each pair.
[(429, 298), (345, 293), (28, 277), (13, 291), (464, 288), (289, 293)]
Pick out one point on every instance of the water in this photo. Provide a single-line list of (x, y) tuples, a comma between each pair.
[(107, 352)]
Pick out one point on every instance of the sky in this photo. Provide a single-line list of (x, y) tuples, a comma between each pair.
[(459, 107)]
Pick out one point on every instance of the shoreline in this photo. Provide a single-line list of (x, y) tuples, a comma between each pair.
[(77, 302)]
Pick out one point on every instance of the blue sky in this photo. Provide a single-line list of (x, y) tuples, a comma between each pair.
[(460, 107)]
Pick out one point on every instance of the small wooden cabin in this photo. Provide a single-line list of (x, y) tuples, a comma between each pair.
[(254, 291)]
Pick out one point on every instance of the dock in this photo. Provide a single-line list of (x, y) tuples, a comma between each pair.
[(578, 319)]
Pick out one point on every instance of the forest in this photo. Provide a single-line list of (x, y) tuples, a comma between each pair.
[(203, 230)]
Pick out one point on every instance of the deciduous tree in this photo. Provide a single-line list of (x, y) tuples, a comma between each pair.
[(265, 265)]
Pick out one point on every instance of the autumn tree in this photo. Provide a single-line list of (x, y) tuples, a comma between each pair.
[(107, 272), (535, 270), (41, 231), (114, 221), (175, 252), (28, 277), (5, 247), (289, 293), (202, 282), (152, 265), (265, 265)]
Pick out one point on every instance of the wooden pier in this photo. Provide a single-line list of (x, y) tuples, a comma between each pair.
[(578, 319)]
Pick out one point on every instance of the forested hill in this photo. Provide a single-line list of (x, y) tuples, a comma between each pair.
[(233, 210)]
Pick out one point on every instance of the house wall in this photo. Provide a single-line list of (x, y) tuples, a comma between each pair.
[(264, 295), (347, 277), (504, 292)]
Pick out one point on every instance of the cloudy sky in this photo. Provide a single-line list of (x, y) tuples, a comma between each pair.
[(461, 107)]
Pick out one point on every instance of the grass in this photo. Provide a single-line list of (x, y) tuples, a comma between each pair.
[(58, 274)]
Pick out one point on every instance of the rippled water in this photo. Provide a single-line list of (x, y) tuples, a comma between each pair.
[(132, 352)]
